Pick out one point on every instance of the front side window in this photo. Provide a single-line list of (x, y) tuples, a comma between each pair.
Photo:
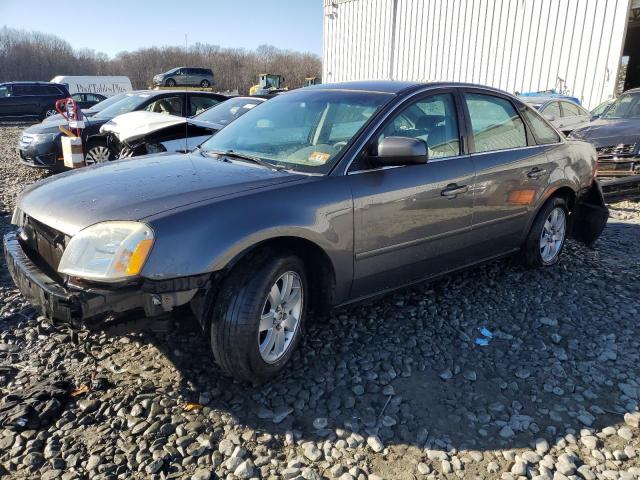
[(304, 130), (495, 123), (542, 131), (4, 92), (433, 120), (166, 105), (627, 106)]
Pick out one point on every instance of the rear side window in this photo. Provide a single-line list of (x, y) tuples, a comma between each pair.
[(21, 90), (552, 109), (199, 103), (542, 131), (495, 123), (4, 92), (570, 110)]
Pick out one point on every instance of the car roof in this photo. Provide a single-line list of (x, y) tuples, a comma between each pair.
[(395, 86), (27, 82)]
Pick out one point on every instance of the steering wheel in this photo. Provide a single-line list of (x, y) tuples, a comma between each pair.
[(339, 145)]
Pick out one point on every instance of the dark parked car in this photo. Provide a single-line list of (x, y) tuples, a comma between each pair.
[(616, 136), (30, 99), (40, 145), (188, 76), (321, 197), (91, 111), (87, 100), (141, 133)]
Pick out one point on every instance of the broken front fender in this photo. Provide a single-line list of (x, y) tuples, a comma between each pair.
[(589, 216)]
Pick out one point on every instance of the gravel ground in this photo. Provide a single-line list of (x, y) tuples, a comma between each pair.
[(395, 389)]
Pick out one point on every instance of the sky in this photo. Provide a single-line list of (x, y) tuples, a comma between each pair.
[(115, 25)]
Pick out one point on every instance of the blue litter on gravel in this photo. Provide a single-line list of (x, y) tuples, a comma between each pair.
[(483, 342)]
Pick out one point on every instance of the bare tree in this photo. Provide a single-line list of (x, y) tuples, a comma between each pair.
[(39, 56)]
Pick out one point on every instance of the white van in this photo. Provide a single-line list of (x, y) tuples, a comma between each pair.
[(107, 85)]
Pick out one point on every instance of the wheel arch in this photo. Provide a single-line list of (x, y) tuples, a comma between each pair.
[(320, 272), (563, 190)]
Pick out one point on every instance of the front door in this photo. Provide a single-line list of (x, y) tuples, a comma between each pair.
[(413, 221)]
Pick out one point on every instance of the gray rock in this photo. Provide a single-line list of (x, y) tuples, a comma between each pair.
[(375, 443), (311, 451), (506, 432), (244, 470), (88, 406), (281, 413)]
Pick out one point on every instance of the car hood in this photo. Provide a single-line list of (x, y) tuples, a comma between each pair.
[(52, 125), (134, 125), (604, 132), (137, 188)]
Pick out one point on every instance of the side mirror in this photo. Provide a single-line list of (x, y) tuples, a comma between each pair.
[(401, 151), (550, 116)]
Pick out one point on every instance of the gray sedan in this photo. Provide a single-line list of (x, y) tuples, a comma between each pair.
[(321, 197)]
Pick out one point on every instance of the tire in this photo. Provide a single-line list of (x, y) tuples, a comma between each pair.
[(97, 152), (170, 83), (550, 228), (205, 84), (239, 333), (50, 112)]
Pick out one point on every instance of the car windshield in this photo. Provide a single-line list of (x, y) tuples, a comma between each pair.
[(129, 103), (227, 111), (304, 131), (627, 106), (107, 102)]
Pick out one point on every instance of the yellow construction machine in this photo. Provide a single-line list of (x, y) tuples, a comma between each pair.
[(269, 83)]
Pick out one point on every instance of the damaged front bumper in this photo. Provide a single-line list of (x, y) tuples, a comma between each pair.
[(76, 305)]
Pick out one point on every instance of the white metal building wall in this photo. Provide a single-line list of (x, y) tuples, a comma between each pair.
[(515, 45)]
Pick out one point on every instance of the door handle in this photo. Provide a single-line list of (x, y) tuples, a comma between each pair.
[(536, 172), (453, 190)]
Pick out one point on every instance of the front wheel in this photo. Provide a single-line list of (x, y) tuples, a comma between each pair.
[(259, 317), (170, 83), (49, 113), (548, 233), (97, 152)]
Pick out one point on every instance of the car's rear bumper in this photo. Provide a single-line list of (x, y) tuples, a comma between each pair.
[(76, 305)]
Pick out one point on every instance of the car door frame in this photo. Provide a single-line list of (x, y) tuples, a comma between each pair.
[(373, 132)]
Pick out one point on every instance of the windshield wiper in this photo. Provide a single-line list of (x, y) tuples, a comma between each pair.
[(243, 156)]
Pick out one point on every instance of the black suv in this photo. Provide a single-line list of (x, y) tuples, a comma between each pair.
[(30, 99)]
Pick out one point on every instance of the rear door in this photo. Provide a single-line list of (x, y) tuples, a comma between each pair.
[(6, 101), (511, 171), (25, 101), (413, 221)]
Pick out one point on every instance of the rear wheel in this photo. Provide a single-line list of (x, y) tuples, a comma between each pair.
[(548, 233), (258, 317), (205, 84), (170, 83), (97, 152)]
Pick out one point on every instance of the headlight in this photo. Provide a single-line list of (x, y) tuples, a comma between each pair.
[(44, 137), (108, 252)]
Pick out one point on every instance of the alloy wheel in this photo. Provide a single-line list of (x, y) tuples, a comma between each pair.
[(97, 154), (553, 235), (280, 317), (50, 113)]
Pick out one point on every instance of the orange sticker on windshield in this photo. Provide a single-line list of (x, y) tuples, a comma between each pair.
[(319, 157)]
